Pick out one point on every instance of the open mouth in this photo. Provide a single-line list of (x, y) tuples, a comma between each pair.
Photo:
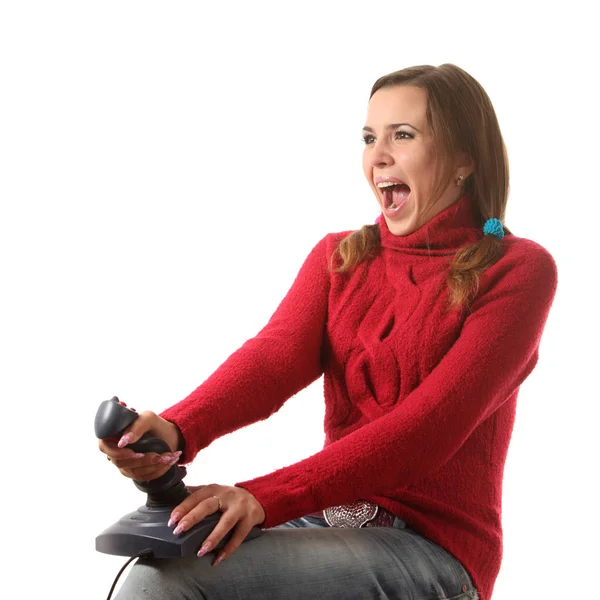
[(394, 196)]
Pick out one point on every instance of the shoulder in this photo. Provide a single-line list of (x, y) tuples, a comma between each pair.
[(319, 256), (524, 264), (530, 255), (330, 241)]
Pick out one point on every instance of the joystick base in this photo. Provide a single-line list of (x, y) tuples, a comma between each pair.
[(147, 529)]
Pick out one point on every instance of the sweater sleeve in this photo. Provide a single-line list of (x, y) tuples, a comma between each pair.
[(256, 380), (496, 351)]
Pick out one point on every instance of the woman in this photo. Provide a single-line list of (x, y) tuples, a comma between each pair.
[(424, 325)]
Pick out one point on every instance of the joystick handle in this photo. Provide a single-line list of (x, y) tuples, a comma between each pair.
[(112, 418)]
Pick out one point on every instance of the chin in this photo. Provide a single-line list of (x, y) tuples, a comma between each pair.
[(403, 225), (398, 228)]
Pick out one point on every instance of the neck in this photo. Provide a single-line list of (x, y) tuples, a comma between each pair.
[(449, 230)]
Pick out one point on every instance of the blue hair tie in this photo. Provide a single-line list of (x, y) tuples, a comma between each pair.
[(494, 226)]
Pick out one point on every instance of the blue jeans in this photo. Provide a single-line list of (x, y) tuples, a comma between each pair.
[(304, 559)]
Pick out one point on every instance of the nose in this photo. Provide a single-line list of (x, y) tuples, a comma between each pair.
[(380, 157)]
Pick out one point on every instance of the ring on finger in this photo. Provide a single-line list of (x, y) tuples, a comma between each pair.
[(219, 501)]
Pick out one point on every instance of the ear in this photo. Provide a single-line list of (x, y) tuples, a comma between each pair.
[(464, 161)]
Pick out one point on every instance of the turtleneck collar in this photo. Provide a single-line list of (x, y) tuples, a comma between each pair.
[(452, 228)]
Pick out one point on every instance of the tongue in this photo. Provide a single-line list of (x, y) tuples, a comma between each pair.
[(399, 193), (395, 195)]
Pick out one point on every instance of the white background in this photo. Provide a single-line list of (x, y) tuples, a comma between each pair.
[(165, 168)]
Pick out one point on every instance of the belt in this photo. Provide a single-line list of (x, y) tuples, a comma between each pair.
[(361, 513)]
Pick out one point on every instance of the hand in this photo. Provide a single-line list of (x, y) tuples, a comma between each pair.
[(148, 466), (239, 507)]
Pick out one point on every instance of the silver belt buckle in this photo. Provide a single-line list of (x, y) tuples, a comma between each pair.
[(355, 514)]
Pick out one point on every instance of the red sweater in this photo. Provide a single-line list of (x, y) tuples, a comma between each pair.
[(420, 403)]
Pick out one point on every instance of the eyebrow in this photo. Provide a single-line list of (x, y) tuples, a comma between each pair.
[(391, 126)]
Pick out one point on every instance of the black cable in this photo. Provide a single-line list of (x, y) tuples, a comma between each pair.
[(143, 554)]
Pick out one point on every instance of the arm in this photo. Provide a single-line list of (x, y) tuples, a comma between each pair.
[(255, 381), (496, 351)]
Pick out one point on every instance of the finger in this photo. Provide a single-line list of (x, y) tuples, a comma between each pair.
[(150, 459), (115, 453), (145, 473), (240, 532), (177, 512), (105, 445), (193, 509), (135, 460), (137, 429)]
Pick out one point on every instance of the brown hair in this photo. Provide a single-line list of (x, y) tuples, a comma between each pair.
[(461, 118)]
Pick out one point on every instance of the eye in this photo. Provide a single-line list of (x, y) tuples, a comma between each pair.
[(366, 138), (410, 135)]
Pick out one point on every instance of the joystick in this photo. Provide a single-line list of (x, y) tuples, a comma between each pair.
[(146, 528)]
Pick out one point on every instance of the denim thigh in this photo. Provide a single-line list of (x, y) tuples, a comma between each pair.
[(304, 559)]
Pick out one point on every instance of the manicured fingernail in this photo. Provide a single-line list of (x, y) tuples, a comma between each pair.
[(205, 548), (219, 559), (179, 529), (138, 455), (125, 440), (171, 458), (174, 518)]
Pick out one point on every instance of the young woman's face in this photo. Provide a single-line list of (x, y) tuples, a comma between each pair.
[(398, 145)]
